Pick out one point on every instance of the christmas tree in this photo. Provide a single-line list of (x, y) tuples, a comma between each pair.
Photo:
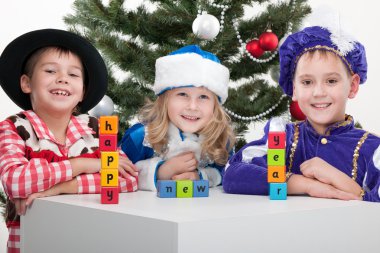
[(130, 41)]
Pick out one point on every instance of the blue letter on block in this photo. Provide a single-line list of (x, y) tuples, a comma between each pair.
[(200, 188), (277, 191), (166, 189)]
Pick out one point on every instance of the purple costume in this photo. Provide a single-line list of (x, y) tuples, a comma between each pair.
[(247, 170)]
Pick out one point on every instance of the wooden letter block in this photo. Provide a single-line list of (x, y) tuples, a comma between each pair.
[(107, 142), (276, 157), (200, 188), (276, 140), (109, 177), (276, 174), (166, 189), (277, 191), (110, 195), (110, 160), (184, 189), (108, 124)]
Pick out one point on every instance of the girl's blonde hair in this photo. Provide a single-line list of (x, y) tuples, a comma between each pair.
[(219, 138)]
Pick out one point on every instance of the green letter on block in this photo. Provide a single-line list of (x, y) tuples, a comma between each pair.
[(184, 189)]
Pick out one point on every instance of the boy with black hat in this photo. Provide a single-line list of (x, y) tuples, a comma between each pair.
[(326, 156), (50, 148)]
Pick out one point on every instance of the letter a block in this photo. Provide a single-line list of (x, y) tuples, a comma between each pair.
[(109, 177), (110, 160), (276, 174), (166, 189), (276, 157), (184, 189), (276, 140), (108, 142), (110, 195), (277, 191), (108, 125), (200, 188)]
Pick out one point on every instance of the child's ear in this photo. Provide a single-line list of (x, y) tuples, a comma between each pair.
[(354, 88), (25, 84)]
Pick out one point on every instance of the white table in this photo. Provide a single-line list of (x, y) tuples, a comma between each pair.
[(142, 222)]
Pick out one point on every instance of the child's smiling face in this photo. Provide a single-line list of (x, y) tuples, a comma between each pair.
[(190, 109), (322, 85), (56, 85)]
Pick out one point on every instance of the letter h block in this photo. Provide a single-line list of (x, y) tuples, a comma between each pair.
[(108, 125)]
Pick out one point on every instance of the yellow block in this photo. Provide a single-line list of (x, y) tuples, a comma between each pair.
[(108, 124), (110, 160), (276, 174), (109, 177)]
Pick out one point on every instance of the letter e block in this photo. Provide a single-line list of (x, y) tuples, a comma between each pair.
[(166, 189), (109, 177), (109, 195), (108, 125), (276, 174), (108, 142), (110, 160), (277, 191), (184, 189), (276, 140), (276, 157), (200, 188)]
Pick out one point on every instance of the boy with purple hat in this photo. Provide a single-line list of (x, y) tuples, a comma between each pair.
[(326, 156)]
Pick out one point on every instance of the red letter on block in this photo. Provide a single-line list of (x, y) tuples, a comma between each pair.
[(110, 195), (276, 140), (108, 142)]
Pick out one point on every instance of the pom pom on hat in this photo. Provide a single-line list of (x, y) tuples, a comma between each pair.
[(351, 52), (190, 66)]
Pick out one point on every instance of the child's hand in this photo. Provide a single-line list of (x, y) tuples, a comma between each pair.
[(322, 190), (193, 175), (185, 162), (85, 165), (126, 166)]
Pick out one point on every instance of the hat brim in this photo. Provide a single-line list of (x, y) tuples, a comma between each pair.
[(13, 58)]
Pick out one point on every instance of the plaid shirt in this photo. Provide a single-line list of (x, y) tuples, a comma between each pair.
[(31, 159)]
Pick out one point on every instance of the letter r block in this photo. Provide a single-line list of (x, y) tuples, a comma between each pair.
[(109, 177), (108, 124), (276, 140), (276, 157), (108, 142), (166, 189), (277, 191), (184, 189), (110, 160), (276, 174), (109, 195), (201, 188)]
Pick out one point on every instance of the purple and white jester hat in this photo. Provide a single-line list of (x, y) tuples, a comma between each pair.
[(190, 66), (350, 51)]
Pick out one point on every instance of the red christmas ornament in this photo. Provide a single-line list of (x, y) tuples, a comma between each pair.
[(253, 47), (268, 41), (296, 112)]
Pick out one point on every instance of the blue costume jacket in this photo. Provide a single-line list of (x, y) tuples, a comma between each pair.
[(140, 152), (247, 169)]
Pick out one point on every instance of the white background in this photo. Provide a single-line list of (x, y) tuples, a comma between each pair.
[(20, 16)]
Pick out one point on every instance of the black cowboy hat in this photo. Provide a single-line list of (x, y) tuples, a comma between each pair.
[(14, 56)]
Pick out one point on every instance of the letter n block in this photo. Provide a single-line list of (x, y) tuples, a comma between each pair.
[(109, 195), (276, 140), (184, 189), (200, 188), (109, 177), (276, 174), (277, 191), (166, 189), (276, 157), (108, 125), (108, 142), (110, 160)]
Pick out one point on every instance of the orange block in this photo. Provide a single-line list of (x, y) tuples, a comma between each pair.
[(109, 160), (109, 178), (108, 124), (276, 174)]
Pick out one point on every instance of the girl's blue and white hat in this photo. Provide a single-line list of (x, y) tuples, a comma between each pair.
[(350, 51), (190, 66)]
